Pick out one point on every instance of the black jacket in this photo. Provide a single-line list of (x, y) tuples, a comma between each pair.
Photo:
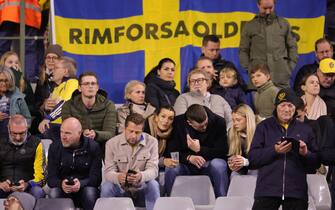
[(83, 163), (219, 63), (213, 142), (328, 95), (17, 162), (161, 93), (282, 174)]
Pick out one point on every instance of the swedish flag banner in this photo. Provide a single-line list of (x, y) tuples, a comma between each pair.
[(123, 40)]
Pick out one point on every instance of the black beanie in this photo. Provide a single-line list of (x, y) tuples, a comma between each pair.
[(287, 95)]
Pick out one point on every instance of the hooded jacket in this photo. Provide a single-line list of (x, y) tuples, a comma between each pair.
[(282, 175), (160, 93), (101, 118)]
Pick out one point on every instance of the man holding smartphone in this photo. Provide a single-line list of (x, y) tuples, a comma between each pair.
[(132, 164), (283, 150), (200, 137), (21, 160), (74, 166)]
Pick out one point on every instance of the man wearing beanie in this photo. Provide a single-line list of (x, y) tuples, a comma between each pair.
[(45, 85), (283, 150)]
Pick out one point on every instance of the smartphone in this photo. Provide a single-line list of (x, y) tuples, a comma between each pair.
[(70, 181), (295, 143), (130, 171), (15, 184)]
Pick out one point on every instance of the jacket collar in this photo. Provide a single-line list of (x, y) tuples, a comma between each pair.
[(141, 142), (265, 86)]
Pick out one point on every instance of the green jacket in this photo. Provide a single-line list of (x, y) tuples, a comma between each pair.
[(269, 40), (101, 118), (264, 99)]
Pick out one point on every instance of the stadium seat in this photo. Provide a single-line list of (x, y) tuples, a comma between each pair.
[(46, 144), (234, 203), (175, 203), (54, 204), (319, 191), (198, 188), (238, 185), (1, 204), (114, 204)]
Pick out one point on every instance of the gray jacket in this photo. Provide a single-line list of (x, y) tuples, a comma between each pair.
[(215, 103)]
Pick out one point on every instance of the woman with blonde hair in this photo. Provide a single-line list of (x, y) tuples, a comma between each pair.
[(11, 60), (134, 94), (239, 138), (11, 100)]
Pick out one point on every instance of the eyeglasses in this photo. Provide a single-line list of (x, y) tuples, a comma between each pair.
[(195, 81), (4, 80), (51, 58), (89, 83)]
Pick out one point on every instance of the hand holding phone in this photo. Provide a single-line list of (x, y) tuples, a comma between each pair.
[(295, 143), (70, 181)]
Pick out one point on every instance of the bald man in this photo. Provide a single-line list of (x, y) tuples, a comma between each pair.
[(21, 160), (74, 166)]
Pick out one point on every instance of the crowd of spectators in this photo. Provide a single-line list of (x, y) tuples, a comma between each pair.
[(211, 128)]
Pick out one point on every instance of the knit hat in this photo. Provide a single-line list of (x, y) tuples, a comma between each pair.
[(287, 95), (27, 201), (327, 65), (54, 48)]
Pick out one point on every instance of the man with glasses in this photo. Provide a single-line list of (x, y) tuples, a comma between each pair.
[(323, 49), (91, 106), (199, 82), (21, 160), (200, 137)]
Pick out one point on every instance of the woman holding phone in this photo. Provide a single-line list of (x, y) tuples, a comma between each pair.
[(239, 138)]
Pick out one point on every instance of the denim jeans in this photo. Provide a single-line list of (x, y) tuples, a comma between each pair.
[(147, 194), (84, 198), (216, 169), (35, 191)]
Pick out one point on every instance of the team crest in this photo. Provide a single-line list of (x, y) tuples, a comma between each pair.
[(281, 96)]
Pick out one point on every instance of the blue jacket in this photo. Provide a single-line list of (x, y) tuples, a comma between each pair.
[(282, 175), (18, 105), (233, 95)]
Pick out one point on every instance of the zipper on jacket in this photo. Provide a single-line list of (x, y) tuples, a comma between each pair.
[(283, 196), (73, 156), (284, 171)]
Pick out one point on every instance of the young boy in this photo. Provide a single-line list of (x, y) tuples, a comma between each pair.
[(266, 93)]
